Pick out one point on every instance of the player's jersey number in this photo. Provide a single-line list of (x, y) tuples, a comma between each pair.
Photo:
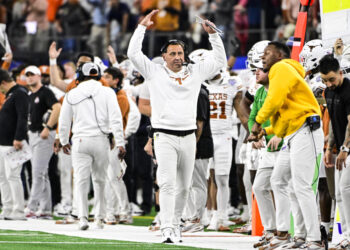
[(215, 112)]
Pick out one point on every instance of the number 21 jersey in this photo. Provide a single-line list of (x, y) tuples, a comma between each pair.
[(221, 95)]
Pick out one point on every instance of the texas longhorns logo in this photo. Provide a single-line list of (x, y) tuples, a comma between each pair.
[(179, 79)]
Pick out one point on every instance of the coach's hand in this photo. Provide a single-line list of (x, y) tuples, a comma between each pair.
[(122, 152), (146, 21), (328, 158), (207, 28), (340, 161), (256, 133), (66, 149), (17, 144), (274, 142), (45, 133)]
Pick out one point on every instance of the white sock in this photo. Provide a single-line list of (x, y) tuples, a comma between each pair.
[(326, 225)]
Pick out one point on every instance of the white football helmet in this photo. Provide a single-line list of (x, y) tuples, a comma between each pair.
[(258, 52), (311, 54), (248, 62)]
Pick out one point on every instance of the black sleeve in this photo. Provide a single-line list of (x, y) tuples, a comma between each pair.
[(49, 98), (22, 108), (202, 107), (249, 96)]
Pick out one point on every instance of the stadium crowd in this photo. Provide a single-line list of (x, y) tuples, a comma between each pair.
[(180, 132)]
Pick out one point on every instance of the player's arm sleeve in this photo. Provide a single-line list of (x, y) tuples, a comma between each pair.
[(141, 62), (65, 122), (252, 116), (21, 105), (115, 117), (212, 64), (133, 119), (281, 79)]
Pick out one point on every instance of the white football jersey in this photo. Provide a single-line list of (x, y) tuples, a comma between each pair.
[(221, 95)]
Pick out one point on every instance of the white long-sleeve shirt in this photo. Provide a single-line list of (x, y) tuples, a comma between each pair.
[(94, 110), (173, 95), (134, 118)]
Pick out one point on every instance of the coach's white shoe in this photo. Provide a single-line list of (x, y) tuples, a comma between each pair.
[(83, 223), (168, 235), (98, 224)]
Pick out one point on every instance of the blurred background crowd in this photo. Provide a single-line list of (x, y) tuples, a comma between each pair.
[(91, 25)]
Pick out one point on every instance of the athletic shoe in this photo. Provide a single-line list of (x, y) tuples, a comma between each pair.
[(126, 219), (264, 240), (246, 229), (276, 241), (177, 234), (168, 235), (16, 216), (189, 225), (155, 225), (110, 220), (98, 224), (29, 213), (312, 245), (43, 215), (344, 244), (223, 228), (136, 210), (232, 211), (297, 242), (83, 223)]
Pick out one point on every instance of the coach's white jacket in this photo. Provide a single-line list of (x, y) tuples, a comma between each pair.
[(94, 110), (173, 95)]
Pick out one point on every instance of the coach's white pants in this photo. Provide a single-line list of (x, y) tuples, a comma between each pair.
[(262, 189), (175, 156), (342, 187), (12, 195), (115, 175), (301, 150), (42, 150), (90, 154), (65, 167)]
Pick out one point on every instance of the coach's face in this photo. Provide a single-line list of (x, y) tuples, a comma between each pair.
[(174, 57), (270, 57), (332, 79)]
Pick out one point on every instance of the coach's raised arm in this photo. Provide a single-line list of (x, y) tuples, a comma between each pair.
[(147, 68)]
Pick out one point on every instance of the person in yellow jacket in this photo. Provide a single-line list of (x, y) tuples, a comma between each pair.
[(295, 116)]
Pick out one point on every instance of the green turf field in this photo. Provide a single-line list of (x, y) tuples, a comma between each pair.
[(31, 240)]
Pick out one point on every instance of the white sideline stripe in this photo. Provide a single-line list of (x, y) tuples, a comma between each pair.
[(88, 243)]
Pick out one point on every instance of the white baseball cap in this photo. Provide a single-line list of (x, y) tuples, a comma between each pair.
[(90, 69), (32, 69)]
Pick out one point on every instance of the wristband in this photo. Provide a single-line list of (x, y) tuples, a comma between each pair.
[(57, 137), (48, 127), (53, 61)]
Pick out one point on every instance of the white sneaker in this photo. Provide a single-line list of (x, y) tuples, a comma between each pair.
[(126, 219), (83, 223), (213, 222), (98, 224), (168, 235), (110, 219), (177, 233), (136, 210)]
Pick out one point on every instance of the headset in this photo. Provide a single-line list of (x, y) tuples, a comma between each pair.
[(177, 42), (80, 72)]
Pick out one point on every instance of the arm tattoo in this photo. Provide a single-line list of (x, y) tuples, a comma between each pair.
[(331, 139)]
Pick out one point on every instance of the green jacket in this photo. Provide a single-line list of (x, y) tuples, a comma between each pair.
[(259, 100)]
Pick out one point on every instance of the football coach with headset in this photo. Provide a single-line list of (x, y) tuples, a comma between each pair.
[(174, 88), (97, 122)]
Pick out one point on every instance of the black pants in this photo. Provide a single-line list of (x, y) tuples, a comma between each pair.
[(55, 182), (233, 179), (139, 172)]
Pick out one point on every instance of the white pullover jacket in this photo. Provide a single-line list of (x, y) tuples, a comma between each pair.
[(173, 95), (94, 111)]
